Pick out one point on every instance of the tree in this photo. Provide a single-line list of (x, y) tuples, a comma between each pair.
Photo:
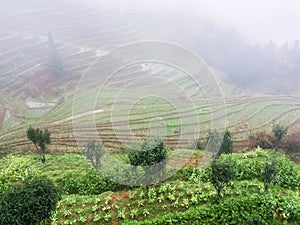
[(279, 132), (29, 202), (93, 152), (40, 139), (215, 137), (151, 155), (223, 171)]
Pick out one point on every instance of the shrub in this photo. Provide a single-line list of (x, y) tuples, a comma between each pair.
[(253, 168), (249, 168), (287, 175), (262, 139), (29, 202), (152, 156), (279, 132), (255, 208), (291, 143), (89, 183)]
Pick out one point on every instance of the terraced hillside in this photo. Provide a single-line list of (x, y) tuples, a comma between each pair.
[(36, 39)]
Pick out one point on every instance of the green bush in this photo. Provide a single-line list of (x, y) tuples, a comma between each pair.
[(90, 183), (279, 132), (183, 174), (253, 168), (287, 175), (266, 209), (151, 156), (250, 168), (29, 202)]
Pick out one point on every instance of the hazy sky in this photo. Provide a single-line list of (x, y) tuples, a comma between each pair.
[(259, 20)]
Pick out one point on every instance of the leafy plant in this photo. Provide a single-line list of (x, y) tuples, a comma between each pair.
[(107, 216), (121, 213), (133, 213)]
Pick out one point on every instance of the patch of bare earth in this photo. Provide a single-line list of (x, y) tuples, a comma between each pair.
[(194, 161)]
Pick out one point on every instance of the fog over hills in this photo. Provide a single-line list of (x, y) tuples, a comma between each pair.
[(247, 56)]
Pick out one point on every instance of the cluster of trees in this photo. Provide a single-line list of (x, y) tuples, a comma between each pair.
[(223, 171), (151, 155)]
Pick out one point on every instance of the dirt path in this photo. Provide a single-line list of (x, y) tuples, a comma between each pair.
[(78, 116)]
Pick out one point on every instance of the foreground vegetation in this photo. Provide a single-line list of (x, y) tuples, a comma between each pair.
[(186, 198)]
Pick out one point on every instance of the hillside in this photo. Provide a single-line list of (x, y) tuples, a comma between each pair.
[(47, 48)]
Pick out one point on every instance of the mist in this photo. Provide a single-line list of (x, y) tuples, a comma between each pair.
[(259, 21), (253, 43)]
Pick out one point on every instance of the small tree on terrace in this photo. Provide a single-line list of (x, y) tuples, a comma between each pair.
[(279, 132), (40, 139), (215, 137), (93, 152), (223, 171), (151, 156)]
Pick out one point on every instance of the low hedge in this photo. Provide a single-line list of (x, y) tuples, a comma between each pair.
[(253, 209)]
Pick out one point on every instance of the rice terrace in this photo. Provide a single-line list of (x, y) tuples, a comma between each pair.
[(139, 112)]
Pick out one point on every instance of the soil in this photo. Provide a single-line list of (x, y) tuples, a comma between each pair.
[(194, 161)]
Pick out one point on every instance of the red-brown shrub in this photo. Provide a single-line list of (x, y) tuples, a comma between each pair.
[(262, 139), (292, 141)]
